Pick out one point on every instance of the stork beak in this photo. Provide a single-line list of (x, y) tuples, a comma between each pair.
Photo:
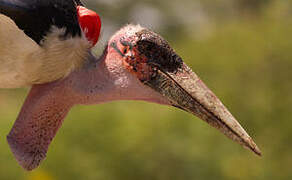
[(186, 91)]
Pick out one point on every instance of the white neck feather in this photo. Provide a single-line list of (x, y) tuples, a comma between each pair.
[(23, 62)]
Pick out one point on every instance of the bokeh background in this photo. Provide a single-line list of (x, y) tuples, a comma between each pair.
[(242, 49)]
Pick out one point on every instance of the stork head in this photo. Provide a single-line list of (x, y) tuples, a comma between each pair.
[(155, 70)]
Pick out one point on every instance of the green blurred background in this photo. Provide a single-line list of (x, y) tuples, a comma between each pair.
[(242, 49)]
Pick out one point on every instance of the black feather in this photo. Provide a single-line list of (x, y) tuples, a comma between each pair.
[(36, 17)]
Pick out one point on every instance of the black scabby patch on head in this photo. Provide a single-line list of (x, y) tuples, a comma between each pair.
[(157, 51)]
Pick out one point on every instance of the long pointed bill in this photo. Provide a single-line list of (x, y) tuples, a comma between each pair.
[(185, 90)]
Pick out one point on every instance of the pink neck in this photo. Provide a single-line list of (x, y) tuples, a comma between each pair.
[(105, 80)]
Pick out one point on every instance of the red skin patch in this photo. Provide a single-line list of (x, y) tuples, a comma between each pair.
[(135, 62), (90, 24), (138, 64)]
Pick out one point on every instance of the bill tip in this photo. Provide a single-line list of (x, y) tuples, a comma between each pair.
[(252, 146), (257, 151)]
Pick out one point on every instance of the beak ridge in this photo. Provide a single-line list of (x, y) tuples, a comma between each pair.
[(185, 90)]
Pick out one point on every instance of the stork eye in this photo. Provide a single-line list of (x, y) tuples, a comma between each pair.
[(125, 50), (127, 44)]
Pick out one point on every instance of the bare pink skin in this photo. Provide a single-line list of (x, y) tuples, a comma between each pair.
[(47, 105)]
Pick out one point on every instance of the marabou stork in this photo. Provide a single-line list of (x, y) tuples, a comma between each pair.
[(137, 64)]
